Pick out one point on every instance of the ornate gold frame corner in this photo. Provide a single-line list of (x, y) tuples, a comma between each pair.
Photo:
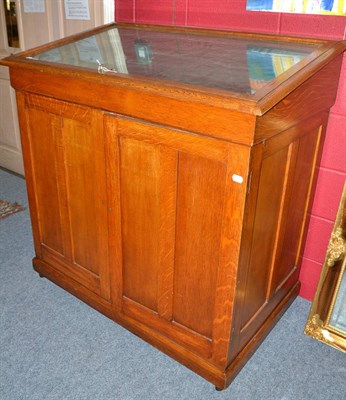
[(318, 325)]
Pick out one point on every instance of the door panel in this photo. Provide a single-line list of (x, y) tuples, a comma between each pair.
[(68, 166), (200, 199), (86, 193), (140, 212), (46, 181), (172, 250)]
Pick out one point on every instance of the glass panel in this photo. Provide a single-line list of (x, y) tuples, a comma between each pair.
[(338, 317), (237, 64), (11, 23)]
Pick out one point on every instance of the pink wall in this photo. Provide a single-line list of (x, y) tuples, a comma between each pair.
[(232, 15)]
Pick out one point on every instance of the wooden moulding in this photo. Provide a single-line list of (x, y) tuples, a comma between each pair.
[(124, 100), (191, 114)]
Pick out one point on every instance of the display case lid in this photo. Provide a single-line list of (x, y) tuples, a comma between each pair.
[(249, 72)]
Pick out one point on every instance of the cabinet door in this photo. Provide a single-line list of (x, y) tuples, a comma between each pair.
[(177, 220), (65, 165)]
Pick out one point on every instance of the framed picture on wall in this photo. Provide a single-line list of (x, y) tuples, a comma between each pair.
[(332, 7)]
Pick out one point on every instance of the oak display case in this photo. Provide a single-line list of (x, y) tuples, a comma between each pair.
[(170, 174)]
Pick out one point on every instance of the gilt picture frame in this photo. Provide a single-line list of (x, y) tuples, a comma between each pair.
[(327, 318)]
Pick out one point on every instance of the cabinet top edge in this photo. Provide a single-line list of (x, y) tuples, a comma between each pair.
[(257, 102)]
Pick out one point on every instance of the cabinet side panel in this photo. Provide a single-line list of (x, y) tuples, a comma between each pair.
[(288, 254), (270, 265), (45, 179), (140, 214), (272, 180), (201, 186)]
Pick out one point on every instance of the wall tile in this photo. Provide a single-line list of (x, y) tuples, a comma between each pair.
[(180, 12), (154, 12), (317, 239), (309, 277), (124, 10), (328, 194), (340, 103), (222, 15), (312, 25), (334, 151)]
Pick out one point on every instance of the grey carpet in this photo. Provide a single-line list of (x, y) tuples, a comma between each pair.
[(52, 346)]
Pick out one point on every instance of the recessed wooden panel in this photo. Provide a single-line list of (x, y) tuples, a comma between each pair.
[(140, 215), (86, 193), (265, 225), (67, 175), (200, 201), (297, 209), (45, 179)]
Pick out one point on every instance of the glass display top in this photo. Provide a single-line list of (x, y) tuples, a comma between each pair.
[(237, 64)]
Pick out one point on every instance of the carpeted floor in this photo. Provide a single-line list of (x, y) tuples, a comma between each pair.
[(52, 346)]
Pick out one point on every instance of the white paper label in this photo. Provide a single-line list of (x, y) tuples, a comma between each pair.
[(237, 178), (34, 6), (77, 9)]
